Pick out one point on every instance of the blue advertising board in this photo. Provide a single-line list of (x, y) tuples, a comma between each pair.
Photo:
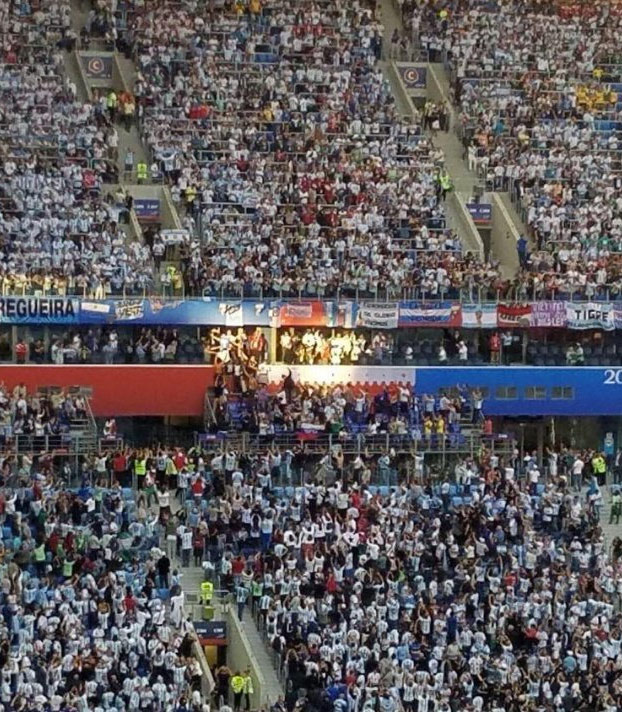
[(480, 212), (39, 310), (153, 311), (213, 311), (532, 391), (147, 209), (188, 312)]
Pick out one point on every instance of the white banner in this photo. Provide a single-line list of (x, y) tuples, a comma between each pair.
[(378, 316), (95, 307), (233, 313), (590, 315), (175, 237), (333, 375), (479, 316)]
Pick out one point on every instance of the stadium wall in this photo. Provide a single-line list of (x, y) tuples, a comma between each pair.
[(124, 390), (180, 390)]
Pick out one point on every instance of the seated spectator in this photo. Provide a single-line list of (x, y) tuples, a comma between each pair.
[(59, 230), (308, 162), (544, 128)]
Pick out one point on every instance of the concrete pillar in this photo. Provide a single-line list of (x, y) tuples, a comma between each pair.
[(273, 344)]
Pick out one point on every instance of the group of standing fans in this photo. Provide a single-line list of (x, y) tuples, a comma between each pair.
[(486, 586), (92, 610), (489, 587)]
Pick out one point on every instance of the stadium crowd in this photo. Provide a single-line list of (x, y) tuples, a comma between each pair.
[(234, 99), (485, 583), (496, 594), (356, 191), (60, 231), (540, 117), (38, 414), (84, 623), (301, 154), (488, 587), (242, 352), (341, 173), (347, 412)]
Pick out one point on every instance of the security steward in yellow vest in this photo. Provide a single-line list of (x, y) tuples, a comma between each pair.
[(237, 685)]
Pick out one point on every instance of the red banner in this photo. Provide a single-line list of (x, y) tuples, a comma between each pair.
[(517, 315), (312, 313)]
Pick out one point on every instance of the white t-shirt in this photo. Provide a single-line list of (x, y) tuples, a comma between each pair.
[(186, 540)]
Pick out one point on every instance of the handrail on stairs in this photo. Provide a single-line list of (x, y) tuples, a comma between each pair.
[(209, 415)]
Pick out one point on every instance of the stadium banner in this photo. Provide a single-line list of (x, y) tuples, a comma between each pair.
[(480, 212), (341, 314), (189, 312), (443, 314), (548, 314), (212, 311), (175, 237), (511, 315), (211, 632), (479, 316), (216, 312), (309, 313), (375, 315), (590, 315), (39, 310), (147, 209), (413, 77), (333, 375), (97, 66)]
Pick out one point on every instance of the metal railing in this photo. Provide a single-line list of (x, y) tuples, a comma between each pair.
[(468, 294), (67, 443), (467, 442)]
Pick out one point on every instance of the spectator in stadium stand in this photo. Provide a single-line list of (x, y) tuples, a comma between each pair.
[(60, 230), (542, 124), (342, 177), (480, 588), (21, 351), (495, 348)]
